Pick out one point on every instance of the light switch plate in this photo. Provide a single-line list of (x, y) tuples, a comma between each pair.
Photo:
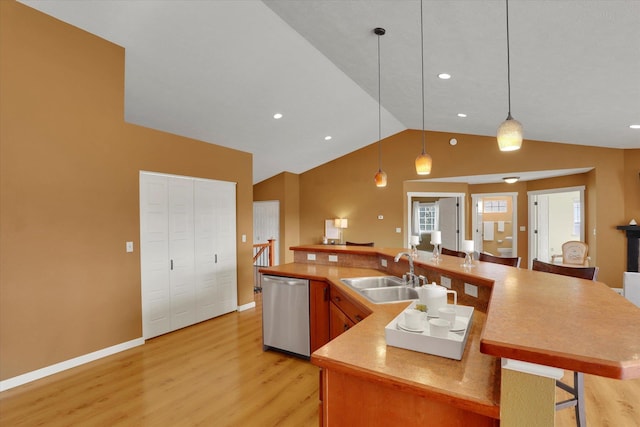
[(445, 281), (311, 257), (129, 246), (333, 258), (383, 262), (398, 230), (244, 238), (471, 290)]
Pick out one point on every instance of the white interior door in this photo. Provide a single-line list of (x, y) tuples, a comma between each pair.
[(154, 255), (266, 225), (181, 252)]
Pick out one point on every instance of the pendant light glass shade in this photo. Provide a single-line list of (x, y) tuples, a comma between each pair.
[(423, 164), (381, 177), (423, 161), (510, 131), (510, 135)]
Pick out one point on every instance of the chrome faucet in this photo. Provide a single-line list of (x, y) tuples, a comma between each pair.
[(412, 279)]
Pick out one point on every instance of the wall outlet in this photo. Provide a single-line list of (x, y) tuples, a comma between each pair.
[(398, 230), (383, 262), (129, 246), (445, 281), (471, 290), (523, 228), (311, 257), (333, 258)]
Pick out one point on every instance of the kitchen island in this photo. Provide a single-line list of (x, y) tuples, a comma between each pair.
[(520, 314)]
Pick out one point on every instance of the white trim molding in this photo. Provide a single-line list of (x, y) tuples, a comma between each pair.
[(532, 368), (246, 306), (67, 364)]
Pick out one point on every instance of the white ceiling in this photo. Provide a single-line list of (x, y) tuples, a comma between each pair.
[(217, 70)]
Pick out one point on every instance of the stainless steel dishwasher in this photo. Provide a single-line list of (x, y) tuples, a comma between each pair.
[(285, 314)]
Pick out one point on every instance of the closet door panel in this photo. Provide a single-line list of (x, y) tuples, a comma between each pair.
[(154, 255), (225, 217), (206, 258), (181, 252)]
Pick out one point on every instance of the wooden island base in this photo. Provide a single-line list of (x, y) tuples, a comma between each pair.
[(359, 402)]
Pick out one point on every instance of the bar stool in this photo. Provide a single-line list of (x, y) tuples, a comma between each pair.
[(577, 390)]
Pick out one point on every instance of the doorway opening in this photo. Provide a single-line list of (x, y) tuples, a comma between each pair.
[(431, 211), (494, 221), (555, 216)]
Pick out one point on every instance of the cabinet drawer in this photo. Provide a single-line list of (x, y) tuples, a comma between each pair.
[(354, 312)]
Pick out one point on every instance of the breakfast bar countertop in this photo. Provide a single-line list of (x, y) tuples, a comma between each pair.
[(536, 317), (472, 383)]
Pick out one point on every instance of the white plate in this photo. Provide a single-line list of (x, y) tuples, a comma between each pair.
[(458, 326), (408, 329)]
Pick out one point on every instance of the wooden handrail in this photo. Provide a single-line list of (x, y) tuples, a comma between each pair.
[(264, 246)]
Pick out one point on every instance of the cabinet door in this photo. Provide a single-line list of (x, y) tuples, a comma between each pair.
[(319, 314), (226, 264), (154, 255), (181, 252), (338, 321)]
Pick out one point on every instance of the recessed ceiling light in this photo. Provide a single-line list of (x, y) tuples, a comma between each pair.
[(444, 76), (277, 116), (462, 115), (635, 126), (327, 138)]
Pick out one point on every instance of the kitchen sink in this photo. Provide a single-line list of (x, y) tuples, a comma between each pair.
[(390, 294), (373, 282), (381, 289)]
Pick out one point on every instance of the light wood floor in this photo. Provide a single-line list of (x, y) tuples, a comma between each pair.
[(216, 374)]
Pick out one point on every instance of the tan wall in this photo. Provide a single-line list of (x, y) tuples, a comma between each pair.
[(69, 193), (285, 188), (344, 188), (632, 185)]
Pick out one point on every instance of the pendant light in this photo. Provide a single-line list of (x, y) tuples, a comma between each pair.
[(423, 161), (510, 131), (381, 177)]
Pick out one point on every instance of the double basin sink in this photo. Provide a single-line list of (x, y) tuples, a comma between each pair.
[(381, 289)]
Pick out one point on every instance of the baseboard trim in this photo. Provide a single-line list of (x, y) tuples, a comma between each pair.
[(67, 364), (247, 306)]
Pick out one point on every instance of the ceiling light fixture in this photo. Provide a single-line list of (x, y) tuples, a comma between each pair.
[(277, 116), (635, 126), (444, 76), (423, 161), (381, 177), (511, 179), (510, 131), (327, 138), (462, 115)]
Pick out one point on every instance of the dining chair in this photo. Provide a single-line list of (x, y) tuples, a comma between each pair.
[(577, 390), (511, 261), (459, 254), (574, 252), (359, 244)]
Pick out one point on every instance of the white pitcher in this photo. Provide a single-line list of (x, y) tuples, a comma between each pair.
[(434, 297)]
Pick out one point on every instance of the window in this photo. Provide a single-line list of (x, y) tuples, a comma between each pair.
[(427, 217), (577, 221), (495, 206)]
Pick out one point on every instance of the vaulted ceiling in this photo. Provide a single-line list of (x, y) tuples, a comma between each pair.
[(218, 70)]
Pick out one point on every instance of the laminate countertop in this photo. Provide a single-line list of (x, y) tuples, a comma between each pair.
[(536, 317)]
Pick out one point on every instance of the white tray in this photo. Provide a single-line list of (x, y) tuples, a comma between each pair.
[(451, 347)]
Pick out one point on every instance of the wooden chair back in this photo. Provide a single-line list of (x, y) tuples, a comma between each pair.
[(511, 261), (359, 244), (574, 252), (589, 273), (445, 251)]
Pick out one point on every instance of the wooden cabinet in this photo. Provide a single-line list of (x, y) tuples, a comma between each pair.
[(318, 314), (343, 312)]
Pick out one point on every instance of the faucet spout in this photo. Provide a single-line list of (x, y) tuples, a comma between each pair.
[(413, 280)]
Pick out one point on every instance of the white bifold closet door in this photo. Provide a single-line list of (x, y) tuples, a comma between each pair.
[(188, 251)]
